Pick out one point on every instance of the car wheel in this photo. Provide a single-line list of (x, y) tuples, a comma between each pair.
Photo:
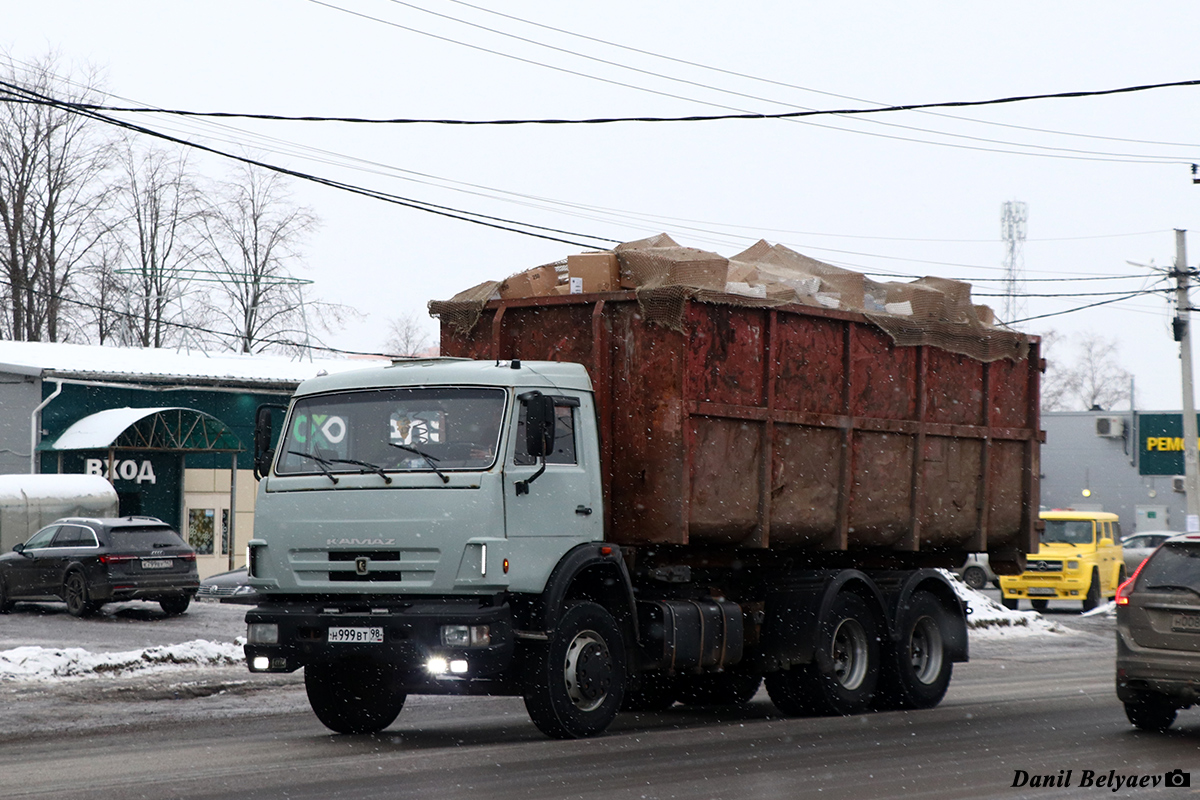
[(1039, 605), (1093, 594), (1150, 712), (77, 596), (1010, 602), (574, 684), (975, 577), (919, 669), (841, 679), (6, 604), (174, 606), (654, 691), (353, 695), (730, 688)]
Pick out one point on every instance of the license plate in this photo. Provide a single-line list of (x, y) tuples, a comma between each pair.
[(1186, 622), (356, 635), (1041, 591), (157, 563)]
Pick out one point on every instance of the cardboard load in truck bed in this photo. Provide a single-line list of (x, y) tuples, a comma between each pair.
[(666, 276)]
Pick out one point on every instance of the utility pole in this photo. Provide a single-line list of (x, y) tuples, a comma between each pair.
[(1183, 307), (1013, 216)]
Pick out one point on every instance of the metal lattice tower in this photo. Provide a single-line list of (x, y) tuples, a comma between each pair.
[(1012, 229)]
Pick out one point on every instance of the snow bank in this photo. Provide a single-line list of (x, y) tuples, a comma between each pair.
[(42, 663), (988, 619)]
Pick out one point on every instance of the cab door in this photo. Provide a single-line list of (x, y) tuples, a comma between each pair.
[(1109, 557), (564, 501)]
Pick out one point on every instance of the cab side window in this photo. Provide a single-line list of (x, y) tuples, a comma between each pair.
[(565, 409)]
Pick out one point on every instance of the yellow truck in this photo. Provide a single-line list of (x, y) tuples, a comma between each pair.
[(1079, 558)]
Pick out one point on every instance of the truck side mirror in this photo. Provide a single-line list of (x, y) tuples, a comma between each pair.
[(539, 424), (264, 452)]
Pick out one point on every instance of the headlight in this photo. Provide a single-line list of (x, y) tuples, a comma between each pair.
[(262, 633), (1072, 565), (244, 590), (466, 635)]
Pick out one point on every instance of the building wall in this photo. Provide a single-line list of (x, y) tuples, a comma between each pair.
[(1074, 458), (19, 395)]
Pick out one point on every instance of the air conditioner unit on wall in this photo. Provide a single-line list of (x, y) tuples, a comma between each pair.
[(1110, 427), (1177, 483)]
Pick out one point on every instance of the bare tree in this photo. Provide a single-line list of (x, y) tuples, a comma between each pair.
[(51, 195), (254, 235), (1094, 379), (407, 336), (161, 212)]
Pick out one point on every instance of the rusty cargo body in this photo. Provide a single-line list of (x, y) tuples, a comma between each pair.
[(790, 427)]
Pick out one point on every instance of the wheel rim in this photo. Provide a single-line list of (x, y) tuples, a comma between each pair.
[(850, 654), (925, 650), (75, 592), (587, 670), (975, 578)]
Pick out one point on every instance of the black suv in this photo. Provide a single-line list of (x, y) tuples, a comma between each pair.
[(1158, 634), (90, 562)]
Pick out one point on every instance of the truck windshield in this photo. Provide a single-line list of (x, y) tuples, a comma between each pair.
[(397, 430), (1067, 531)]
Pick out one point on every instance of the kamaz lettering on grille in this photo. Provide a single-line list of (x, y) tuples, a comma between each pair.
[(376, 542)]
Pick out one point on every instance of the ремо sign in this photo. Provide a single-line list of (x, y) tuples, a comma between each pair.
[(1160, 444)]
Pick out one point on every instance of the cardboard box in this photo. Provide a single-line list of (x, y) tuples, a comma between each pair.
[(537, 282), (598, 271)]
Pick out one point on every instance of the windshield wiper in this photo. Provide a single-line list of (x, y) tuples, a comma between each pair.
[(366, 467), (323, 463), (428, 459), (1173, 586)]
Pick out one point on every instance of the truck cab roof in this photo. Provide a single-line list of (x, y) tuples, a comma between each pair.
[(549, 375)]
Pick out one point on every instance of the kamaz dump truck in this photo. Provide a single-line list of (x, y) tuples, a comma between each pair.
[(598, 512)]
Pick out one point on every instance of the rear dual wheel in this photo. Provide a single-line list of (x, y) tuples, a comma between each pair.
[(842, 678), (920, 668)]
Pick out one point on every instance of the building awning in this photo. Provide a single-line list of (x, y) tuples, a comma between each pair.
[(164, 430)]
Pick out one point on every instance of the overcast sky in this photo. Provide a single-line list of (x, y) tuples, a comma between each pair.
[(1105, 179)]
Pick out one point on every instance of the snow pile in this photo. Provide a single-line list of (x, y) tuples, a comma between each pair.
[(42, 663), (1109, 610), (987, 618)]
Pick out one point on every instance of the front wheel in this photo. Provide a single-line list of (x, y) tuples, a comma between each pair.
[(1010, 603), (575, 683), (845, 669), (78, 597), (1039, 605), (1093, 594), (975, 577), (353, 695)]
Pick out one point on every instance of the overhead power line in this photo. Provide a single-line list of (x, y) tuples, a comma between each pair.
[(609, 120)]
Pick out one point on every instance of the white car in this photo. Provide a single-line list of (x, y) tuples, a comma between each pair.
[(1138, 547), (976, 572)]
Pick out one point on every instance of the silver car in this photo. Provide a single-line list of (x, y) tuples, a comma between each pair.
[(1158, 635), (1139, 546), (976, 572)]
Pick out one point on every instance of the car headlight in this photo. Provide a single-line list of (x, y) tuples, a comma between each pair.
[(262, 633), (244, 590), (466, 635), (1072, 565)]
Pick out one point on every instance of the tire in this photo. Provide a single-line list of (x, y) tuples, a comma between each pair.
[(975, 577), (655, 691), (77, 595), (845, 669), (1039, 605), (1150, 712), (730, 688), (919, 667), (574, 684), (354, 695), (1093, 594), (174, 606), (1010, 602), (6, 605)]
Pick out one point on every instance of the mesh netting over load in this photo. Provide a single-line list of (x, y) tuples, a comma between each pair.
[(665, 275)]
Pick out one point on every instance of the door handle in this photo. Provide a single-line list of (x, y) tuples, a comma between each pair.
[(584, 510)]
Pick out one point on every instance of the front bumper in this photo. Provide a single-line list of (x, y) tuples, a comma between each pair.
[(411, 629), (1039, 587)]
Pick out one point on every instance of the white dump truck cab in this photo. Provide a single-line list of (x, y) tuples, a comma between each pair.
[(399, 513)]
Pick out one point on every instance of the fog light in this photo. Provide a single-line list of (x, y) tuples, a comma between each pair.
[(437, 666), (456, 636), (262, 633), (261, 663), (458, 666)]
